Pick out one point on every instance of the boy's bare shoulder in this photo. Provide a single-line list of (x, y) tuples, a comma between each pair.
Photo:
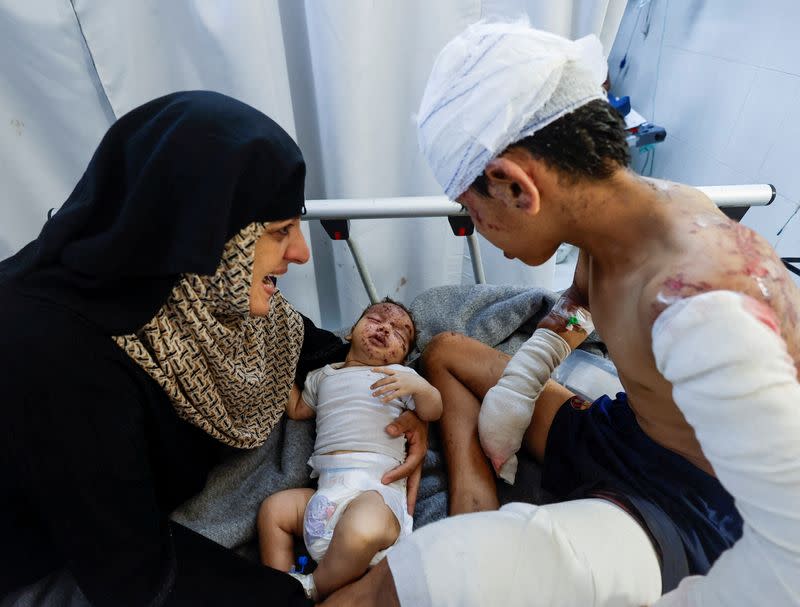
[(716, 253)]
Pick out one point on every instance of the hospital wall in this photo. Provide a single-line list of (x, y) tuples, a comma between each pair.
[(723, 78)]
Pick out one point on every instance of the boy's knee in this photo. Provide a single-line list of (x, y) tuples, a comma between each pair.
[(442, 349)]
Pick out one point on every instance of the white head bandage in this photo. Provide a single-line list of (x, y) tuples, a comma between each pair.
[(495, 84)]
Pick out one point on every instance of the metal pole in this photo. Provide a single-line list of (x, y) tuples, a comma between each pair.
[(752, 195), (475, 256), (760, 194), (363, 272)]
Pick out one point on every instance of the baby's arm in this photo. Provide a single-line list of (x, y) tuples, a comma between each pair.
[(297, 408), (427, 400)]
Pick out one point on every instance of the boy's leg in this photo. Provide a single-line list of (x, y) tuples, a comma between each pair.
[(366, 527), (585, 552), (463, 369), (280, 520), (547, 405)]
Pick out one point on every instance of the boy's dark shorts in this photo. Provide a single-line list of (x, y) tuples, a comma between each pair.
[(599, 449)]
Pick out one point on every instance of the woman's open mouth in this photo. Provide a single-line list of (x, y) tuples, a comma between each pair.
[(269, 284)]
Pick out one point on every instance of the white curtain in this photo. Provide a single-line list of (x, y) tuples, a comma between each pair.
[(344, 77)]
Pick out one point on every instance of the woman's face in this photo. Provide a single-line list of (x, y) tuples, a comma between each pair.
[(281, 243)]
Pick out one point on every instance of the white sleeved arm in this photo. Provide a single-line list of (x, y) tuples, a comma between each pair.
[(508, 406), (311, 387), (736, 385)]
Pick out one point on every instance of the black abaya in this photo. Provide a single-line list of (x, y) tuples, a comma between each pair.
[(94, 456)]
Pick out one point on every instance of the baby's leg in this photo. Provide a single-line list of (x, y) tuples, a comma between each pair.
[(366, 527), (280, 519)]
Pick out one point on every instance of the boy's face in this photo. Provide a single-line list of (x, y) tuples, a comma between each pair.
[(496, 223), (510, 216), (383, 334)]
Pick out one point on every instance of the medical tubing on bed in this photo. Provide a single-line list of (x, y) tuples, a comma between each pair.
[(507, 408), (736, 385)]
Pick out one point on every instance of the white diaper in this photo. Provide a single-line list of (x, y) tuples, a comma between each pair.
[(342, 478)]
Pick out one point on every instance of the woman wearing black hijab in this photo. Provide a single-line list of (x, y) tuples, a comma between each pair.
[(141, 338)]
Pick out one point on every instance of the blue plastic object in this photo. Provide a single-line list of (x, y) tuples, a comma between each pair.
[(302, 561), (649, 133), (621, 104)]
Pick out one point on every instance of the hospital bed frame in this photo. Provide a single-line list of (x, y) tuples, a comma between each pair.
[(335, 216)]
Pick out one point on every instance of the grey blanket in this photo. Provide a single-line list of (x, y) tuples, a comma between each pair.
[(502, 317)]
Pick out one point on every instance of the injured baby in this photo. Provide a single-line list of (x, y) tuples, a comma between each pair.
[(352, 518)]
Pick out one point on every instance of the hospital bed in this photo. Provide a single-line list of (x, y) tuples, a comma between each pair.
[(335, 216), (273, 461)]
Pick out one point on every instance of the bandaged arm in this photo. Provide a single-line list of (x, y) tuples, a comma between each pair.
[(737, 386), (507, 408)]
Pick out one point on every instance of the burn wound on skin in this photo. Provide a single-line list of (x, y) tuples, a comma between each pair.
[(477, 219), (762, 312), (757, 262), (709, 221), (674, 289), (480, 222), (749, 249), (375, 340), (368, 345), (652, 185)]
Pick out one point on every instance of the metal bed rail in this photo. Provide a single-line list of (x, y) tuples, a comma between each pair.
[(335, 216)]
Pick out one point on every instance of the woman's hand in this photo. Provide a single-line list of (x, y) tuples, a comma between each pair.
[(416, 433)]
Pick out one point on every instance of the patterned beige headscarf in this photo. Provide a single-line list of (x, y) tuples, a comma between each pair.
[(224, 371)]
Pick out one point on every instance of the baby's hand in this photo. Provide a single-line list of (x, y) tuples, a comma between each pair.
[(397, 384)]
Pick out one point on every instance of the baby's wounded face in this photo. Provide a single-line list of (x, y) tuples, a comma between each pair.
[(384, 333)]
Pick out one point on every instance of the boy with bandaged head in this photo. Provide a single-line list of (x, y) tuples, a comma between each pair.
[(698, 314)]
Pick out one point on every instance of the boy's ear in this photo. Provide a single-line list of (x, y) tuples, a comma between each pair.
[(508, 181)]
